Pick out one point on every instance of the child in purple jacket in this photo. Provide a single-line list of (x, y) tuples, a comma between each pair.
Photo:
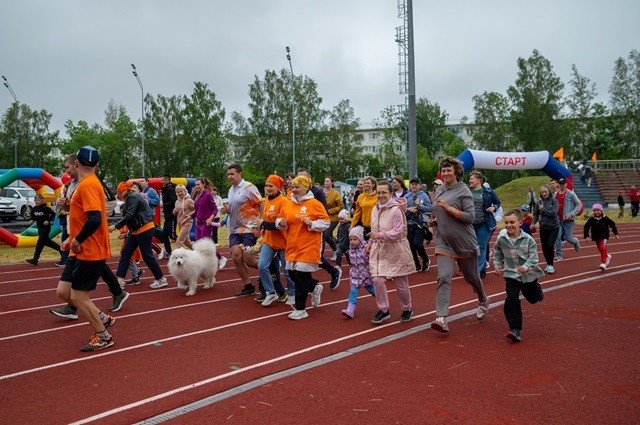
[(359, 275)]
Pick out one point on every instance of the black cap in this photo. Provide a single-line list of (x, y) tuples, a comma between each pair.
[(415, 180), (88, 155), (562, 181)]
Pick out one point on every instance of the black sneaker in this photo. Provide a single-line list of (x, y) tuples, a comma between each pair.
[(59, 264), (406, 315), (335, 279), (483, 274), (119, 301), (32, 261), (514, 335), (425, 265), (136, 279), (380, 317), (248, 289)]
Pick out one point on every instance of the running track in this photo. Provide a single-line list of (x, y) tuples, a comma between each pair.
[(213, 358)]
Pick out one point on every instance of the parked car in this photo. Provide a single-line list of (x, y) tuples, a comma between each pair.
[(8, 210), (22, 198)]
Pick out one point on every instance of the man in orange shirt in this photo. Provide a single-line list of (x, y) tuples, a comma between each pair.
[(88, 242)]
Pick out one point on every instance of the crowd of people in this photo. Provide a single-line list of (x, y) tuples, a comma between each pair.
[(284, 234)]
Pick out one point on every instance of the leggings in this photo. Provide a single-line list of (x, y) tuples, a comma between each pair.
[(305, 284)]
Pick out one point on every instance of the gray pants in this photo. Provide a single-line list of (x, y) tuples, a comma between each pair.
[(446, 267)]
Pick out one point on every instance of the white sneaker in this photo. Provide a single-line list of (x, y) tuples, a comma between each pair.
[(291, 300), (483, 308), (606, 263), (315, 295), (298, 314), (334, 257), (270, 298), (222, 262), (161, 254), (602, 267), (159, 283), (549, 270)]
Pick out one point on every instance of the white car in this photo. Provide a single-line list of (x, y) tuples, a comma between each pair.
[(22, 198), (8, 210)]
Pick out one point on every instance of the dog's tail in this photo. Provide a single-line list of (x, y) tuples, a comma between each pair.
[(205, 247)]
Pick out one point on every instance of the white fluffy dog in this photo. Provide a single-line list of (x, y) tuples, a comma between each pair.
[(188, 265)]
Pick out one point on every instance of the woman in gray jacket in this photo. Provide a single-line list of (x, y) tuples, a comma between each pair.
[(546, 214)]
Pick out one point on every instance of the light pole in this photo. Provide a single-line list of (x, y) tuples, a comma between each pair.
[(293, 114), (15, 123), (135, 74)]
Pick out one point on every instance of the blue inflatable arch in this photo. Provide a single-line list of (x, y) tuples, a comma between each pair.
[(541, 160)]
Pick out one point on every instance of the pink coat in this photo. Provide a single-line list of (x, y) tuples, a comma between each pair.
[(390, 255)]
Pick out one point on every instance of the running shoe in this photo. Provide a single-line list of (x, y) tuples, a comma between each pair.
[(335, 279), (32, 261), (222, 262), (315, 295), (425, 265), (260, 298), (269, 299), (283, 298), (440, 325), (135, 279), (549, 270), (483, 308), (602, 267), (380, 317), (66, 312), (606, 263), (406, 315), (159, 283), (119, 301), (97, 343), (514, 335), (291, 300), (59, 264), (298, 314), (248, 289), (110, 322)]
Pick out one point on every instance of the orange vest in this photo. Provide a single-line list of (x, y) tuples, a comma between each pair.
[(272, 207)]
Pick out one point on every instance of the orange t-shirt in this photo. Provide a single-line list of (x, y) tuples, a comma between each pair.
[(274, 238), (89, 196), (303, 245)]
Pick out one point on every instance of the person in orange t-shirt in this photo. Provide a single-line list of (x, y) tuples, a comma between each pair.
[(303, 218), (89, 244), (273, 242)]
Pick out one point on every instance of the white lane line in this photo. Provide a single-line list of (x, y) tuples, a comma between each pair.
[(40, 331), (230, 325), (429, 248), (317, 346)]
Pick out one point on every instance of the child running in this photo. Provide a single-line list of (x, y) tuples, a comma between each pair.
[(597, 229), (359, 275), (43, 216), (515, 256), (342, 244)]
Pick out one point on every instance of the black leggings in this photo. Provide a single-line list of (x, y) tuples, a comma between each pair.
[(548, 236), (416, 243), (305, 284), (43, 240)]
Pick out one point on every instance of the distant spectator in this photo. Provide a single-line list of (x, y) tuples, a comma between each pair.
[(621, 203), (532, 199), (526, 220), (587, 176), (634, 198)]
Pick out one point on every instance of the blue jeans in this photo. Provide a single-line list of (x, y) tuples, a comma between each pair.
[(483, 233), (353, 294), (565, 231), (267, 254)]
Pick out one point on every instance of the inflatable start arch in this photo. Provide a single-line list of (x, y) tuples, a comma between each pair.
[(541, 160)]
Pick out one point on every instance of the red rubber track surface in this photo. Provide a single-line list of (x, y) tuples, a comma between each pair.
[(578, 362)]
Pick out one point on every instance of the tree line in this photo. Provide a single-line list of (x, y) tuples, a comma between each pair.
[(191, 134)]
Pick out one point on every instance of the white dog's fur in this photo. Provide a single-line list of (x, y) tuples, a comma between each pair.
[(187, 265)]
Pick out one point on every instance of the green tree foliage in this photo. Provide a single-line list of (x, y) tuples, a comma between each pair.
[(625, 102), (430, 122), (580, 106), (325, 142), (536, 101), (35, 140), (492, 130)]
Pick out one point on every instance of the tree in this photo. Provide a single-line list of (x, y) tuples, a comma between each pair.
[(343, 144), (265, 137), (580, 107), (431, 120), (394, 135), (625, 101), (536, 100), (34, 138), (162, 135), (492, 129)]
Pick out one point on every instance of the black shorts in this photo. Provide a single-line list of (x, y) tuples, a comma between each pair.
[(82, 274), (246, 239)]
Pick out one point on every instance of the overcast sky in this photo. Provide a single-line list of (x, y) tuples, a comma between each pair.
[(72, 57)]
